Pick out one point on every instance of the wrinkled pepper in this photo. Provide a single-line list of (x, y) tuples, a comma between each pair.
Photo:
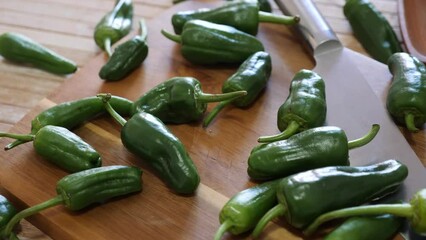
[(148, 138), (372, 29), (21, 49), (304, 196), (179, 100), (252, 77), (61, 147), (304, 108), (114, 25), (313, 148), (79, 190), (406, 99), (126, 57), (210, 43), (243, 15)]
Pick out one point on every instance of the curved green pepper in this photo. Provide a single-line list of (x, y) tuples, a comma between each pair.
[(252, 77), (304, 108), (7, 211), (19, 48), (147, 137), (243, 15), (304, 196), (126, 57), (372, 29), (79, 190), (114, 25), (313, 148), (210, 43), (179, 100), (406, 99)]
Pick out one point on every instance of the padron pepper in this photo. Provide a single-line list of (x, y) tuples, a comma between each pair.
[(243, 15), (21, 49), (313, 148), (179, 100), (126, 57), (252, 77), (304, 108), (114, 25), (148, 138), (7, 211), (210, 43), (372, 29), (406, 99), (304, 196), (79, 190), (61, 147)]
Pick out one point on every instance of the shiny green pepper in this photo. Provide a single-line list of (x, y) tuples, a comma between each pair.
[(406, 99), (304, 108), (21, 49), (7, 211), (210, 43)]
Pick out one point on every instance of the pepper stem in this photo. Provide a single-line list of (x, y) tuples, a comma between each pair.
[(277, 211), (7, 231), (401, 210), (208, 97), (14, 144), (22, 138), (225, 226), (173, 37), (143, 29), (281, 19), (409, 122), (209, 118), (365, 139), (107, 46), (291, 129), (105, 97)]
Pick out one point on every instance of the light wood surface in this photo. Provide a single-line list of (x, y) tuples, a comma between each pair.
[(66, 26)]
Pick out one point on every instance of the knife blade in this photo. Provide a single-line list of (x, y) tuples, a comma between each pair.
[(351, 102)]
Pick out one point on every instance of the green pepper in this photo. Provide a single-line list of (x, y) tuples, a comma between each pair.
[(210, 43), (61, 147), (304, 196), (7, 211), (304, 108), (179, 100), (114, 25), (407, 93), (241, 213), (371, 29), (148, 138), (21, 49), (79, 190), (126, 57), (243, 15), (73, 113), (313, 148), (252, 77)]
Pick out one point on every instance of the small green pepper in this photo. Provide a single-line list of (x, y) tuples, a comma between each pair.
[(313, 148), (79, 190), (243, 15), (61, 147), (304, 196), (114, 25), (210, 43), (126, 57), (304, 108), (7, 211), (21, 49), (148, 138), (252, 76), (406, 99), (372, 29), (179, 100)]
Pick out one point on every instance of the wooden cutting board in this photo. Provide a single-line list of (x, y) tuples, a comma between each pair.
[(220, 151)]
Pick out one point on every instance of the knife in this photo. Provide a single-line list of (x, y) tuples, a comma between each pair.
[(352, 103)]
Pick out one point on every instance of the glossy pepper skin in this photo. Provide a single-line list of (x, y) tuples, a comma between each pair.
[(304, 108), (304, 196), (210, 43), (372, 29), (313, 148), (21, 49), (406, 99), (79, 190), (7, 211), (179, 100), (252, 76), (126, 57)]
